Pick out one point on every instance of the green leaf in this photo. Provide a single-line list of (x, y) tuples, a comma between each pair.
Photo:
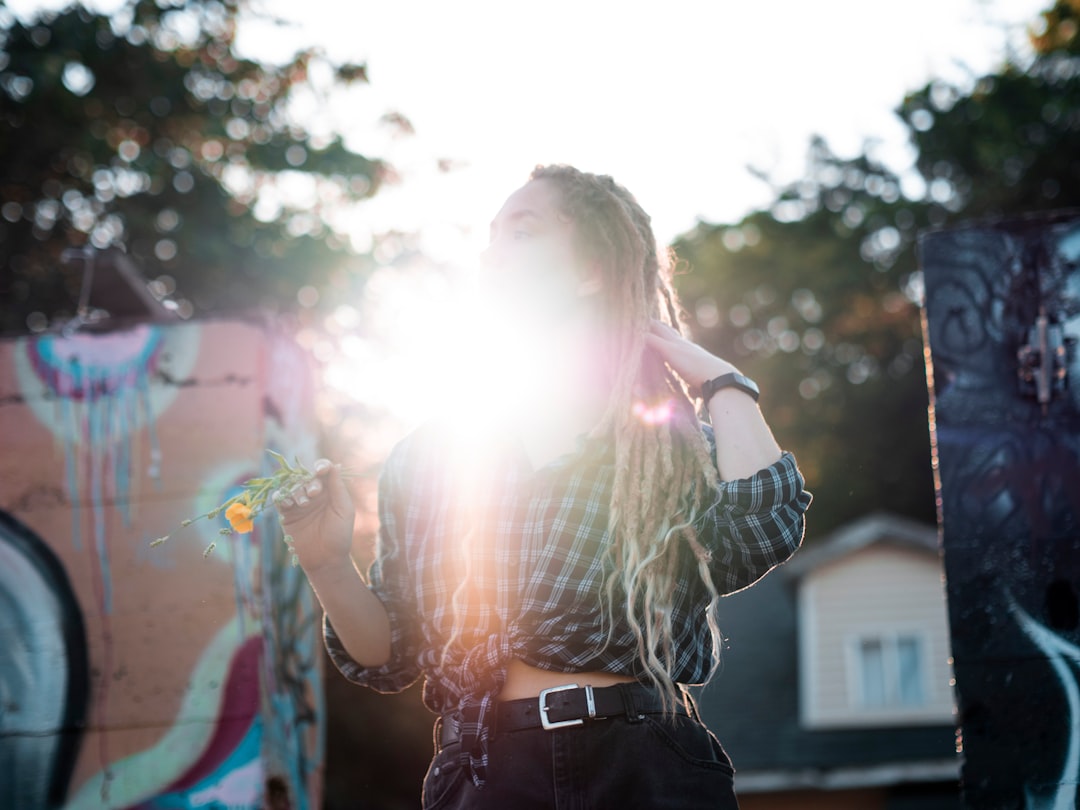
[(280, 460)]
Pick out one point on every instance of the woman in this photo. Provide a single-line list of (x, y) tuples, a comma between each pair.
[(554, 573)]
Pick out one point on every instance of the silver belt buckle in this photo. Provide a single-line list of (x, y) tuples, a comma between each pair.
[(549, 725)]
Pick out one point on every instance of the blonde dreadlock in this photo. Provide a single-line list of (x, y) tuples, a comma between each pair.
[(664, 472)]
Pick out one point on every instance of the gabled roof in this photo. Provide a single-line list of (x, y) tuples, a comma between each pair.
[(753, 701), (877, 528), (118, 286), (113, 294)]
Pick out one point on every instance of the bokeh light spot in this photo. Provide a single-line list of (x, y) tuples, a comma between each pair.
[(165, 250), (295, 155), (740, 315), (77, 78), (809, 388), (707, 312), (127, 150), (183, 182)]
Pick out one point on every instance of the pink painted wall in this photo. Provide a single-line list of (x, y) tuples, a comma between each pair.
[(152, 677)]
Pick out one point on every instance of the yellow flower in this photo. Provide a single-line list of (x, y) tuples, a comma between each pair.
[(242, 510), (239, 517)]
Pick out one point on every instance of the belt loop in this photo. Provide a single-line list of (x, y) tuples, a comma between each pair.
[(627, 695)]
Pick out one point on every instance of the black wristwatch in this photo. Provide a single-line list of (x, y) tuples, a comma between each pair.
[(733, 380)]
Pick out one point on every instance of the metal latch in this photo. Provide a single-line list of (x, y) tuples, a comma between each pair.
[(1044, 360)]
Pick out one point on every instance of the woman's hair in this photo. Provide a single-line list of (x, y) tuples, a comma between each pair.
[(664, 472)]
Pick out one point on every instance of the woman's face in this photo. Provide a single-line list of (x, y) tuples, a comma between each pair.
[(532, 266)]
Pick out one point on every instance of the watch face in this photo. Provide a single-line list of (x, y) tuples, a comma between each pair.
[(747, 383)]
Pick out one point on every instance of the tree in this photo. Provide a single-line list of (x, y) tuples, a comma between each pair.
[(818, 296), (145, 131), (809, 302), (1009, 145)]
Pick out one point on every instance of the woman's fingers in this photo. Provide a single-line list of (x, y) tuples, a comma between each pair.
[(303, 493), (300, 495), (662, 330), (662, 338), (310, 493), (686, 358)]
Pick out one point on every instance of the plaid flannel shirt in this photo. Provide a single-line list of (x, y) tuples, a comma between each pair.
[(540, 573)]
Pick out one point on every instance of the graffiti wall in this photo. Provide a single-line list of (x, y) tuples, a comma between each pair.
[(1002, 317), (152, 677)]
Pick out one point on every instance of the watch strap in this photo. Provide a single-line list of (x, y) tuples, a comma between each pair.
[(732, 380)]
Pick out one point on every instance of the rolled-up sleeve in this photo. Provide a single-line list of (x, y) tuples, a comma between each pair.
[(389, 580), (755, 523)]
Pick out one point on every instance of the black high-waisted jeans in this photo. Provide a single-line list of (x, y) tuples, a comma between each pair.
[(655, 761)]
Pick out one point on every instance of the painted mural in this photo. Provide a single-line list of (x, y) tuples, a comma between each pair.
[(152, 677), (1002, 319)]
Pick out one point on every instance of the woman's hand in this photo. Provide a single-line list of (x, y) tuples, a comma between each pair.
[(319, 516), (691, 362), (744, 442)]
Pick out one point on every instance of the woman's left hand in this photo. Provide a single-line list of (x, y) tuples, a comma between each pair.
[(691, 362)]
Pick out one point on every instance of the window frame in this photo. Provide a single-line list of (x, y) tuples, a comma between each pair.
[(889, 638)]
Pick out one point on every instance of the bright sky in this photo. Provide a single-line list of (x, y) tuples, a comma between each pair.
[(673, 99)]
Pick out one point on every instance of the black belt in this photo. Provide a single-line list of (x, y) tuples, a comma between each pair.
[(563, 707)]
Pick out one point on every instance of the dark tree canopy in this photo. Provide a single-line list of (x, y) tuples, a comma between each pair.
[(817, 297), (144, 130)]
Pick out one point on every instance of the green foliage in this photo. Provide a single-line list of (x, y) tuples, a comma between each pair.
[(145, 130), (817, 297), (1011, 144), (807, 299)]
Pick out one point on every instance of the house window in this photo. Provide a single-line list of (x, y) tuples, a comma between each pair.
[(890, 672)]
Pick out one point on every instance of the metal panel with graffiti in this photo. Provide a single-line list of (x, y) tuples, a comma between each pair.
[(1002, 318)]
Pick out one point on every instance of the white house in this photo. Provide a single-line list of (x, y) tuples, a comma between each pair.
[(836, 689)]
